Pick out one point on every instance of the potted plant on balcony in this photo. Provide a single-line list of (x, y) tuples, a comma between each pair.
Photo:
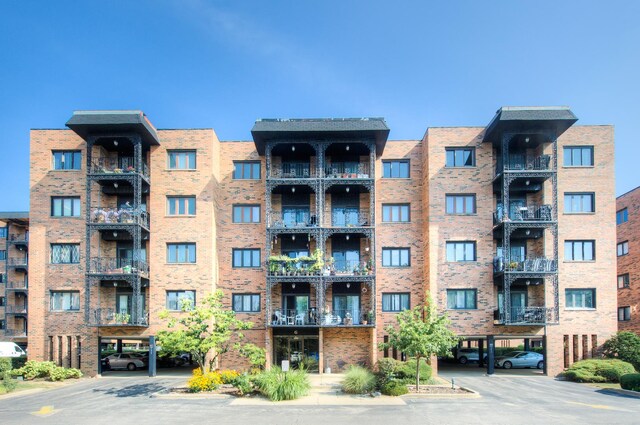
[(129, 169), (370, 316), (122, 318), (99, 215)]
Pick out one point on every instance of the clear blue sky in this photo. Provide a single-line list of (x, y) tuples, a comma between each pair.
[(223, 64)]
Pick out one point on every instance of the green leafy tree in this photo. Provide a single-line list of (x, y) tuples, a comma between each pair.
[(624, 346), (207, 331), (421, 333), (256, 356)]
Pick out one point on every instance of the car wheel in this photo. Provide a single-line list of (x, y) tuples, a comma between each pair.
[(131, 366), (463, 360), (507, 365), (540, 364)]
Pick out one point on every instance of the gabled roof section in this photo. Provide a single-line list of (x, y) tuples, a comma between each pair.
[(87, 123), (320, 129), (529, 118)]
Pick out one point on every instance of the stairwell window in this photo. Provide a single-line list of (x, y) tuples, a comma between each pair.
[(246, 303), (580, 298), (246, 213), (462, 299), (65, 253), (181, 205), (461, 204), (65, 300), (396, 257), (623, 248), (182, 160), (578, 156), (65, 206), (178, 253), (460, 157), (395, 213), (246, 258), (580, 250), (181, 300), (246, 170), (461, 251), (395, 302), (398, 169), (575, 203)]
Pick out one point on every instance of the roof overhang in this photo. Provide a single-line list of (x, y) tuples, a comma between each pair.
[(89, 123), (320, 129), (522, 119), (17, 217)]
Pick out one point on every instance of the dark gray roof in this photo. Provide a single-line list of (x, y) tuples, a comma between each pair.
[(86, 123), (522, 118), (20, 217), (320, 129)]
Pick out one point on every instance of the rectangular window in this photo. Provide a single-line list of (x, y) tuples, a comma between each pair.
[(181, 253), (65, 206), (246, 213), (246, 303), (461, 157), (182, 160), (623, 248), (395, 257), (2, 324), (246, 257), (622, 216), (181, 300), (578, 156), (65, 300), (623, 281), (579, 250), (67, 160), (624, 314), (579, 203), (461, 204), (65, 253), (1, 301), (246, 170), (3, 254), (398, 169), (3, 232), (395, 213), (580, 298), (395, 302), (181, 205), (462, 299), (461, 251)]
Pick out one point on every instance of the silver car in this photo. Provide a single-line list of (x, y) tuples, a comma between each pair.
[(520, 359), (125, 361), (466, 355)]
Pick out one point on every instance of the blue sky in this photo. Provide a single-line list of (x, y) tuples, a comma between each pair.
[(223, 64)]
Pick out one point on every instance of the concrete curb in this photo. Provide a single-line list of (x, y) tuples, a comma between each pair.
[(471, 394)]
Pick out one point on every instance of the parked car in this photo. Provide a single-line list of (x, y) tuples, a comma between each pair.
[(466, 355), (105, 364), (520, 359), (125, 361)]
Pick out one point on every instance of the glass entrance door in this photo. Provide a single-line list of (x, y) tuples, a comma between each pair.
[(298, 350)]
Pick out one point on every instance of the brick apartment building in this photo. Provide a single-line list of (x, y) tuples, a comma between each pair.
[(628, 226), (320, 231)]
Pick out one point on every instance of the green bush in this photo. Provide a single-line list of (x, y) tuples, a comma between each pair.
[(358, 380), (630, 381), (598, 370), (243, 384), (61, 373), (5, 364), (407, 371), (278, 385), (33, 369), (394, 388), (624, 346), (386, 370)]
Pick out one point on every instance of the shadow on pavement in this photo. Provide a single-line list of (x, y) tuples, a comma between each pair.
[(140, 390), (615, 393)]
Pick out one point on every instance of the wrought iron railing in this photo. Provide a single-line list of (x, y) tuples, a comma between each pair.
[(291, 268), (110, 317), (524, 163), (18, 262), (291, 219), (348, 217), (525, 213), (349, 267), (15, 332), (347, 317), (110, 265), (15, 309), (340, 170), (293, 171), (110, 215), (295, 317), (123, 165), (527, 316), (530, 265), (311, 317), (17, 285), (19, 238)]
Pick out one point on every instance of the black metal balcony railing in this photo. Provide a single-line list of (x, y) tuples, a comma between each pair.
[(15, 309), (291, 219), (527, 316), (347, 171), (19, 238), (349, 267), (346, 317), (110, 317), (311, 317), (293, 171), (291, 268), (530, 265), (20, 286), (521, 163), (526, 213), (108, 215), (110, 166), (295, 317), (15, 332), (117, 266), (348, 217), (18, 262)]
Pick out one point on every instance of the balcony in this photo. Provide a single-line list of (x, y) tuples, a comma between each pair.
[(110, 268), (109, 218), (524, 214), (531, 265), (16, 333), (21, 241), (298, 318), (295, 317), (348, 268), (18, 310), (291, 219), (115, 168), (347, 170), (348, 217), (526, 316), (520, 163), (19, 264), (293, 171), (108, 317), (285, 267), (17, 286)]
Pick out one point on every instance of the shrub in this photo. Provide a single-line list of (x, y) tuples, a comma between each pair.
[(243, 384), (630, 381), (278, 385), (227, 376), (18, 362), (598, 370), (624, 346), (33, 369), (5, 364), (394, 388), (407, 371), (358, 380), (61, 373), (386, 370), (199, 382)]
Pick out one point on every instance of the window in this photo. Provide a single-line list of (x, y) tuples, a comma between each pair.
[(3, 232), (2, 324), (395, 213), (461, 251), (65, 206), (65, 300), (395, 302), (622, 216), (395, 257), (181, 253), (461, 157), (2, 278), (2, 303), (579, 203), (578, 156), (65, 253), (624, 314), (623, 248), (246, 303), (182, 160), (246, 170), (181, 205), (67, 160), (181, 300), (579, 250), (395, 169), (462, 299), (3, 254), (580, 298), (461, 204), (623, 281), (246, 257), (246, 213)]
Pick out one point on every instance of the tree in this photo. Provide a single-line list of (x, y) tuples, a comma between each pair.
[(624, 346), (421, 333), (206, 331)]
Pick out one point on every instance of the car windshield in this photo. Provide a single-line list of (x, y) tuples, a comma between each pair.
[(513, 354)]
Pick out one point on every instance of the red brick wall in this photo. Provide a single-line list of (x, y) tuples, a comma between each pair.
[(630, 263)]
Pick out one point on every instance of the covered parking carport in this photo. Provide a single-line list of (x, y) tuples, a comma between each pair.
[(119, 341)]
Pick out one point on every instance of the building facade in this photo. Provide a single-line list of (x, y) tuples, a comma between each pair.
[(320, 231), (628, 246)]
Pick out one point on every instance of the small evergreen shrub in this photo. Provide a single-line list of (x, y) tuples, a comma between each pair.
[(278, 385), (199, 382), (624, 346), (6, 379), (386, 370), (5, 364), (394, 388), (358, 380), (243, 384), (598, 370), (407, 371), (630, 381)]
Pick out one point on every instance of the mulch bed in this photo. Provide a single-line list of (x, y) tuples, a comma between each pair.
[(434, 389), (223, 389)]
